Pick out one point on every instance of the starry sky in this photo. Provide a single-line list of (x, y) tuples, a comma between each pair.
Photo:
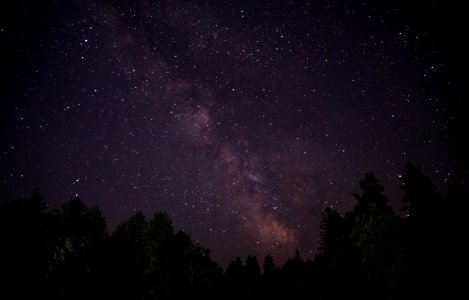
[(242, 120)]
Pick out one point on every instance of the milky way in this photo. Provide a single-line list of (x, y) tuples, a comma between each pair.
[(242, 121)]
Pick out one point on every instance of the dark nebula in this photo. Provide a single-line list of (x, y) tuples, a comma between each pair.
[(242, 120)]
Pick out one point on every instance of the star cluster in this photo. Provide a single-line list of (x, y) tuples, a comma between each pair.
[(243, 120)]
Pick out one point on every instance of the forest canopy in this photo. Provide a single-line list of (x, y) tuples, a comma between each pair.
[(368, 252)]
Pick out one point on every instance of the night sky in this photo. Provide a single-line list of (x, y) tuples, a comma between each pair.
[(242, 120)]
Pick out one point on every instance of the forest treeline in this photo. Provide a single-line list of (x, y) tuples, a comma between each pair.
[(369, 252)]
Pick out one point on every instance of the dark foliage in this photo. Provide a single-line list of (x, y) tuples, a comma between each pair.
[(50, 253), (367, 253)]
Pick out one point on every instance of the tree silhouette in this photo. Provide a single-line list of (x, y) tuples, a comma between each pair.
[(127, 259), (337, 259), (80, 251), (366, 253), (377, 240), (252, 269), (158, 234), (331, 230), (269, 265), (234, 277), (456, 241), (423, 206), (24, 250), (372, 202), (252, 274), (269, 279), (154, 262)]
